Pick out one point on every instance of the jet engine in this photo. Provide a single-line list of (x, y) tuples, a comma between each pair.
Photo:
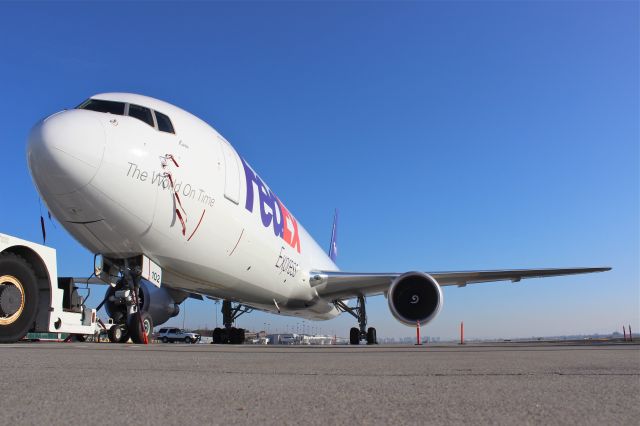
[(159, 302), (413, 297)]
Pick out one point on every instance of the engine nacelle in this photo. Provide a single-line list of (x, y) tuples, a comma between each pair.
[(413, 297), (160, 303)]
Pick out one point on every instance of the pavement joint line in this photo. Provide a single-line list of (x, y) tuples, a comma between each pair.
[(340, 374), (251, 349)]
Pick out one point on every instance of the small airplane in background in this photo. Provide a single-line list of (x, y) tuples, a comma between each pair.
[(172, 211)]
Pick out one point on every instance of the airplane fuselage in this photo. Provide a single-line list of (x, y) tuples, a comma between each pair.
[(186, 200)]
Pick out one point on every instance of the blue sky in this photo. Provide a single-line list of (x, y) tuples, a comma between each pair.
[(451, 136)]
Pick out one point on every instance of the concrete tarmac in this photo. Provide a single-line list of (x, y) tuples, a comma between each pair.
[(88, 383)]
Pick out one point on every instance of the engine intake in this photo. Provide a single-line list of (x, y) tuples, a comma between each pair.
[(413, 297), (160, 303)]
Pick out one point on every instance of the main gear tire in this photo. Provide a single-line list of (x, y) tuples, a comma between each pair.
[(233, 336), (239, 335), (216, 336), (354, 336), (372, 338)]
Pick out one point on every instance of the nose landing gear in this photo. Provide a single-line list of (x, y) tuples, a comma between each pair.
[(130, 321)]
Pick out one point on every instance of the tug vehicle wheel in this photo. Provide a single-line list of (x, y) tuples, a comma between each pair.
[(18, 297), (118, 334)]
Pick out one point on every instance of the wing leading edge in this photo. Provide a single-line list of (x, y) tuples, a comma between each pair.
[(344, 285)]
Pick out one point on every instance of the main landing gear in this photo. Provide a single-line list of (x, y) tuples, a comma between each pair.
[(360, 313), (230, 334)]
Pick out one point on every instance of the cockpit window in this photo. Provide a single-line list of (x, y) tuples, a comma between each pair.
[(99, 105), (141, 113), (164, 123)]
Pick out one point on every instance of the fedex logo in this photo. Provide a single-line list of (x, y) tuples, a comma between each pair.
[(272, 211)]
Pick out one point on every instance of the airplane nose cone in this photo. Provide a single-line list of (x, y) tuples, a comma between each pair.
[(65, 151)]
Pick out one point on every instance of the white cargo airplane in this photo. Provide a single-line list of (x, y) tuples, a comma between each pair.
[(172, 211)]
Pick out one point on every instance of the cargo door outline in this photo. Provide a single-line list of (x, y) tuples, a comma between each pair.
[(231, 173)]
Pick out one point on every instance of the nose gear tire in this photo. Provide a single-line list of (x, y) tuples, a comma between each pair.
[(139, 325)]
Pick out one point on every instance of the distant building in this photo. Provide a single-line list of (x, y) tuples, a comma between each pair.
[(302, 339)]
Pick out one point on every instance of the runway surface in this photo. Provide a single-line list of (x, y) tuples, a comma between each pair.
[(54, 383)]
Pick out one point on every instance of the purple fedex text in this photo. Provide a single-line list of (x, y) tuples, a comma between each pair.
[(272, 212)]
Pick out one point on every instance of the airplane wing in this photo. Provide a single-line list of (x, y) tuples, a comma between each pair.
[(345, 285)]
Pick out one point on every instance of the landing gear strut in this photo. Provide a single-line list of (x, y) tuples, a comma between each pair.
[(359, 313), (230, 334)]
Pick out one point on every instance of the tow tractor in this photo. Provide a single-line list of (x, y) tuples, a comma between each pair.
[(34, 299), (32, 296)]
